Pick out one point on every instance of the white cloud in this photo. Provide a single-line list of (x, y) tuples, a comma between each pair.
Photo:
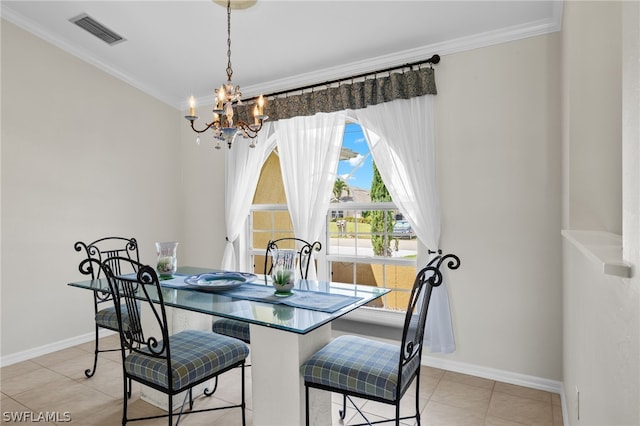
[(356, 161)]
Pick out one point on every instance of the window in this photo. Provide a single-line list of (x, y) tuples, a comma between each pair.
[(366, 241)]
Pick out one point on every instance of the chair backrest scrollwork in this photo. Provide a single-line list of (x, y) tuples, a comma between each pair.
[(106, 248), (416, 315), (304, 249), (135, 292)]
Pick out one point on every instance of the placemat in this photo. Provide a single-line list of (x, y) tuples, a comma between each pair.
[(177, 281), (306, 299)]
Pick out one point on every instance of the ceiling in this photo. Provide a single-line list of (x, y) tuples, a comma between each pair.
[(174, 49)]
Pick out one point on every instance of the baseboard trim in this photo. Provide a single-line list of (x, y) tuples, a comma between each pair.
[(532, 382), (51, 347), (389, 330), (494, 374)]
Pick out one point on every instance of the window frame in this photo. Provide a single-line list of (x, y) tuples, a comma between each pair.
[(324, 258)]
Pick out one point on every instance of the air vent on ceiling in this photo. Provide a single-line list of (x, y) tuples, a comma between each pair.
[(89, 24)]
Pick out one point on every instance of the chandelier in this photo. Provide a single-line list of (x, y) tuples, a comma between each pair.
[(223, 125)]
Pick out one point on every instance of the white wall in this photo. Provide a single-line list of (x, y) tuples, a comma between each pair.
[(631, 131), (601, 356), (84, 155), (498, 136), (601, 366), (592, 111), (202, 188)]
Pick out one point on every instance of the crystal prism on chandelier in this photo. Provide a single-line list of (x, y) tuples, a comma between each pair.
[(225, 128)]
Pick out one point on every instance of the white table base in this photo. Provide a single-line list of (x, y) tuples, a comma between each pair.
[(278, 387)]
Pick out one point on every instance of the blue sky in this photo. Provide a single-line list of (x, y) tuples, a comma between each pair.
[(360, 169)]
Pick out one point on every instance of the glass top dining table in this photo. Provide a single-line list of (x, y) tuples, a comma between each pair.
[(284, 331), (311, 304)]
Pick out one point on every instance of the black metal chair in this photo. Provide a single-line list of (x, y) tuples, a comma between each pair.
[(365, 368), (304, 252), (104, 312), (240, 329), (170, 364)]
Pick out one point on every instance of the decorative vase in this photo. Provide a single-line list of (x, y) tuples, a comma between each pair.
[(167, 264), (283, 271)]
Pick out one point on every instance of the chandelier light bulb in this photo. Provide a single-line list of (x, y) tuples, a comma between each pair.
[(260, 105), (192, 106)]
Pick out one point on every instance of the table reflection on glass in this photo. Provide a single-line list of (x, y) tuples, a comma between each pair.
[(284, 333)]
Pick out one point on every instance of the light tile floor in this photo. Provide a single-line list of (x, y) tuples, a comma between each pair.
[(55, 383)]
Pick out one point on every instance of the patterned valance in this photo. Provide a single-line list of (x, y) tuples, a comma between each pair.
[(356, 95)]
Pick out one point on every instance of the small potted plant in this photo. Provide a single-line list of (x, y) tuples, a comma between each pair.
[(283, 282)]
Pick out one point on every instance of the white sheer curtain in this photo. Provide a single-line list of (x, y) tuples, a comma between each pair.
[(401, 138), (243, 165), (309, 150)]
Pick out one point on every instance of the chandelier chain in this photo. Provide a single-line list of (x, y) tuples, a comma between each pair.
[(229, 69)]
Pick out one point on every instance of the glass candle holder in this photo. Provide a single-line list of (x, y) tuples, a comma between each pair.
[(167, 264), (283, 271)]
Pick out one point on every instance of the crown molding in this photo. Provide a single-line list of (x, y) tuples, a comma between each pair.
[(477, 41), (403, 57), (38, 31)]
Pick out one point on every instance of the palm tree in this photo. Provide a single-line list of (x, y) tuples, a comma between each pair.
[(340, 186)]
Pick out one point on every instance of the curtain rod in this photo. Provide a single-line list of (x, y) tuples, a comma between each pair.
[(435, 59)]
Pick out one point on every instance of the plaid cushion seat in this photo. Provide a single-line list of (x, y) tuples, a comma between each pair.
[(107, 318), (195, 354), (233, 328), (356, 364)]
